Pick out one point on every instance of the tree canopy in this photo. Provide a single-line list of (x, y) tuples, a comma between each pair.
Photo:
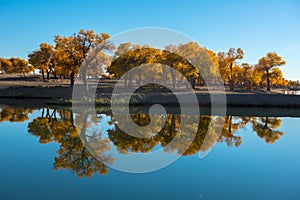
[(87, 54)]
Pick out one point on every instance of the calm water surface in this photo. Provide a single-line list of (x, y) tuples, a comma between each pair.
[(43, 157)]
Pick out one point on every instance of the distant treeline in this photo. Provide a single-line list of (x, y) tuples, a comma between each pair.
[(69, 54)]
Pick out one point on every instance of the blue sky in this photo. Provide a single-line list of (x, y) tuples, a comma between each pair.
[(256, 26)]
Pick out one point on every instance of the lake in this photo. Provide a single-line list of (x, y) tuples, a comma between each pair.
[(44, 156)]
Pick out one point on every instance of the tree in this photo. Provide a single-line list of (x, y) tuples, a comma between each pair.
[(73, 50), (201, 63), (246, 74), (43, 59), (20, 66), (177, 57), (6, 65), (256, 76), (269, 62), (15, 66), (226, 64)]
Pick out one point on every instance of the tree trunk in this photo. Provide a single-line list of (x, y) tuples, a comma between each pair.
[(193, 81), (172, 126), (266, 122), (48, 75), (231, 85), (54, 74), (231, 81), (43, 74), (72, 117), (43, 112), (268, 81), (249, 85), (72, 78), (199, 80)]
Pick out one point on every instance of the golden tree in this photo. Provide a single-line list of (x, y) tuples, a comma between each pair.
[(5, 65), (15, 66), (269, 62), (178, 57), (226, 65), (43, 59), (73, 50)]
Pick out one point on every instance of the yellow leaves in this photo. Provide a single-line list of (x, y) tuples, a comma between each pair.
[(272, 59), (266, 128), (226, 62), (14, 114), (105, 36), (15, 65), (73, 50), (72, 154), (269, 62), (249, 75), (5, 65)]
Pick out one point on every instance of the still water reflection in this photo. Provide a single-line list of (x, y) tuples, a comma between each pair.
[(62, 127)]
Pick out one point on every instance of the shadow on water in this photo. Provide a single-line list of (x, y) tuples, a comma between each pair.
[(67, 129)]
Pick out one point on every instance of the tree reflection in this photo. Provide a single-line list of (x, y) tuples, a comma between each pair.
[(266, 128), (80, 140), (229, 129), (73, 154), (202, 132), (14, 114), (127, 143)]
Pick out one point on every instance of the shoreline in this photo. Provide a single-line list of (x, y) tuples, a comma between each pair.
[(62, 96), (204, 110), (32, 90)]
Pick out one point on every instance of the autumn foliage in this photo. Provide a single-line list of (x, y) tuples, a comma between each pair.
[(68, 56)]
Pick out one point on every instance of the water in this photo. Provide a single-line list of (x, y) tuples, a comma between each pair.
[(44, 158)]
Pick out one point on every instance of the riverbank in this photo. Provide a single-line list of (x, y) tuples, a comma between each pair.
[(35, 91)]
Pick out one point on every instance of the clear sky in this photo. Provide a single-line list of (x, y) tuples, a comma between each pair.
[(257, 26)]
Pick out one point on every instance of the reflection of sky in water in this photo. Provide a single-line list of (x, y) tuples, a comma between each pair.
[(254, 170)]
